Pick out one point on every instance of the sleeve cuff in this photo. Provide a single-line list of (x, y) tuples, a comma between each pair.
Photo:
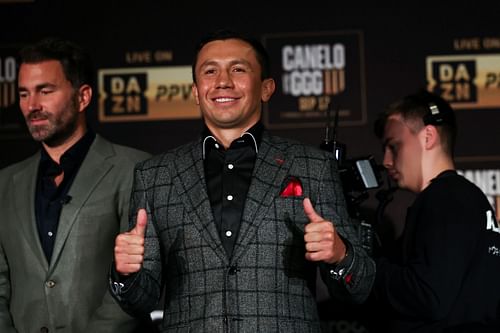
[(341, 269), (119, 283)]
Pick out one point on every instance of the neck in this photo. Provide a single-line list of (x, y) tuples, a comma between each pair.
[(55, 152), (434, 167)]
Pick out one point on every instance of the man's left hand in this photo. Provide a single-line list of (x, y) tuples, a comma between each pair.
[(322, 241)]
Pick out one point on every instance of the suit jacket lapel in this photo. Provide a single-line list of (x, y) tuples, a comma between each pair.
[(24, 193), (90, 174), (191, 187), (270, 171)]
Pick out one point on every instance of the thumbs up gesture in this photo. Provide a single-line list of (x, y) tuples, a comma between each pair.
[(322, 241), (129, 246)]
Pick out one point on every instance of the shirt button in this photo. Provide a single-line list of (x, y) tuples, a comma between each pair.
[(50, 284), (230, 197), (230, 166), (228, 233), (50, 234), (216, 145)]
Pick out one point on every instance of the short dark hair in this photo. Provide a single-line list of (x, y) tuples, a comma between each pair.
[(224, 34), (74, 60), (419, 108)]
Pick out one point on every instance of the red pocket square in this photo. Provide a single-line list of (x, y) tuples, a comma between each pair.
[(293, 188)]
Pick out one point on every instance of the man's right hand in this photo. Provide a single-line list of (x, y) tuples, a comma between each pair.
[(129, 246)]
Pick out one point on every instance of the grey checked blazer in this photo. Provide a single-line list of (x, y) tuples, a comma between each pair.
[(267, 285)]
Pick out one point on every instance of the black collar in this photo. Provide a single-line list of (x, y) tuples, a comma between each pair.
[(443, 174), (71, 158)]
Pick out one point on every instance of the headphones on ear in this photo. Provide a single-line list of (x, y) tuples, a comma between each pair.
[(434, 116), (438, 115)]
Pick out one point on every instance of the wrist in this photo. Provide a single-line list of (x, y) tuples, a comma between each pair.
[(344, 252)]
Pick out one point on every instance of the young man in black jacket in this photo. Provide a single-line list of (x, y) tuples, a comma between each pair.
[(448, 277)]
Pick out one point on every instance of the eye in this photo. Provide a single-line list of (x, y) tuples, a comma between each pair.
[(393, 147), (239, 69), (46, 91), (209, 71), (23, 94), (390, 147)]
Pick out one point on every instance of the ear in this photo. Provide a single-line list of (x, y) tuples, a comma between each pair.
[(432, 138), (84, 97), (194, 92), (268, 87)]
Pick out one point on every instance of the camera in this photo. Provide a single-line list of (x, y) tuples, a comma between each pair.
[(358, 175)]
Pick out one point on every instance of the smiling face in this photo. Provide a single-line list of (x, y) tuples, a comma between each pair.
[(403, 153), (50, 104), (228, 87)]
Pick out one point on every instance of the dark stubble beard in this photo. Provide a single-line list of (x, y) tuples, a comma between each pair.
[(59, 128)]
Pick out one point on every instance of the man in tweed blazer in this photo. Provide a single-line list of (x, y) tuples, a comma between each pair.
[(226, 224)]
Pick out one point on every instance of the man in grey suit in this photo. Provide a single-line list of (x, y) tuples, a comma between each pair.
[(62, 207), (233, 225)]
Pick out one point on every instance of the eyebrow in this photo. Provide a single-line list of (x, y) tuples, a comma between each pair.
[(231, 62), (38, 87)]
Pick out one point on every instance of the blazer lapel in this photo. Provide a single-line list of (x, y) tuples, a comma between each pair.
[(271, 168), (191, 187), (24, 195), (90, 174)]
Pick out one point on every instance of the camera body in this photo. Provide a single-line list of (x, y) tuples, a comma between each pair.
[(358, 175)]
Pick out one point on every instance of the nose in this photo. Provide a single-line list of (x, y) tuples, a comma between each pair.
[(388, 160), (33, 103), (224, 79)]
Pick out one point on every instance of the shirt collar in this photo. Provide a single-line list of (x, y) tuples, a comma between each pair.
[(445, 173), (252, 137), (71, 157)]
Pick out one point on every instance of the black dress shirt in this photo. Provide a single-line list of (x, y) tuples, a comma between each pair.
[(49, 198), (228, 174)]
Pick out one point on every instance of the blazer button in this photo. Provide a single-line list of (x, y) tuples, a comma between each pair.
[(50, 284), (44, 330), (233, 270)]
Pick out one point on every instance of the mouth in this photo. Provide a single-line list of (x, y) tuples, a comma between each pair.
[(393, 174), (224, 100), (37, 119), (38, 124)]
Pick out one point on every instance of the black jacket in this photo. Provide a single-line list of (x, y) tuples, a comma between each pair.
[(448, 279)]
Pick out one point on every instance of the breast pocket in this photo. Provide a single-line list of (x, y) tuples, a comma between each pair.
[(286, 223), (95, 222)]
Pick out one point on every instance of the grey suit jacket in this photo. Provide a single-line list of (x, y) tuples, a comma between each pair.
[(267, 285), (70, 293)]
